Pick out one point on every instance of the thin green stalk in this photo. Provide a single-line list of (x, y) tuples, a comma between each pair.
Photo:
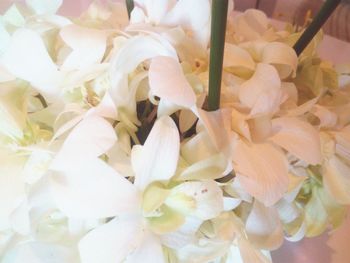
[(217, 44), (129, 6), (325, 12)]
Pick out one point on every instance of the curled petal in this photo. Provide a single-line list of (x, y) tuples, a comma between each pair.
[(167, 81), (282, 56)]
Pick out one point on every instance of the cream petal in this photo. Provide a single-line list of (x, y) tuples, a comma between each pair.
[(159, 155), (336, 179), (262, 170), (263, 227), (282, 56), (167, 81), (89, 188), (234, 56), (111, 242), (264, 80), (250, 254), (203, 200), (328, 119), (92, 137), (88, 46), (27, 59), (293, 135), (42, 7), (156, 9)]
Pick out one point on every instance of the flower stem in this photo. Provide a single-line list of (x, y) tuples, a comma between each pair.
[(129, 6), (217, 44), (325, 12)]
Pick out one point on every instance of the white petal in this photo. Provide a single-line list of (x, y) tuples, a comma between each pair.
[(262, 171), (137, 50), (282, 56), (42, 7), (27, 59), (167, 81), (189, 16), (38, 252), (159, 155), (89, 188), (293, 135), (12, 191), (92, 137), (111, 242), (263, 227), (88, 46), (149, 251)]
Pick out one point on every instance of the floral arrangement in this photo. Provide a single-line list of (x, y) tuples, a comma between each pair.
[(107, 153)]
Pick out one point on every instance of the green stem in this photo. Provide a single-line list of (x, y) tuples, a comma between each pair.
[(129, 6), (217, 44), (325, 12)]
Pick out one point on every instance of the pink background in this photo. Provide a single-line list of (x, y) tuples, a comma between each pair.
[(332, 247)]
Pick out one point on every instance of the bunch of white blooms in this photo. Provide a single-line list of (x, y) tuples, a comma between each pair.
[(106, 153)]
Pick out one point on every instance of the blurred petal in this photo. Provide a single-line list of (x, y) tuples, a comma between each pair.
[(42, 7), (159, 155), (149, 251), (293, 135), (111, 242), (89, 188), (264, 228), (88, 46), (167, 81), (250, 254), (336, 178), (262, 171)]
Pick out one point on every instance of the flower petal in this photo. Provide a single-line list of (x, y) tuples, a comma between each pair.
[(42, 7), (293, 135), (27, 59), (167, 81), (262, 170), (263, 227), (264, 81), (336, 178), (149, 251), (89, 188), (88, 46), (282, 56), (203, 200), (92, 137), (159, 155), (111, 242)]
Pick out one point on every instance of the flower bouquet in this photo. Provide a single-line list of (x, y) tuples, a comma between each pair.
[(121, 141)]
